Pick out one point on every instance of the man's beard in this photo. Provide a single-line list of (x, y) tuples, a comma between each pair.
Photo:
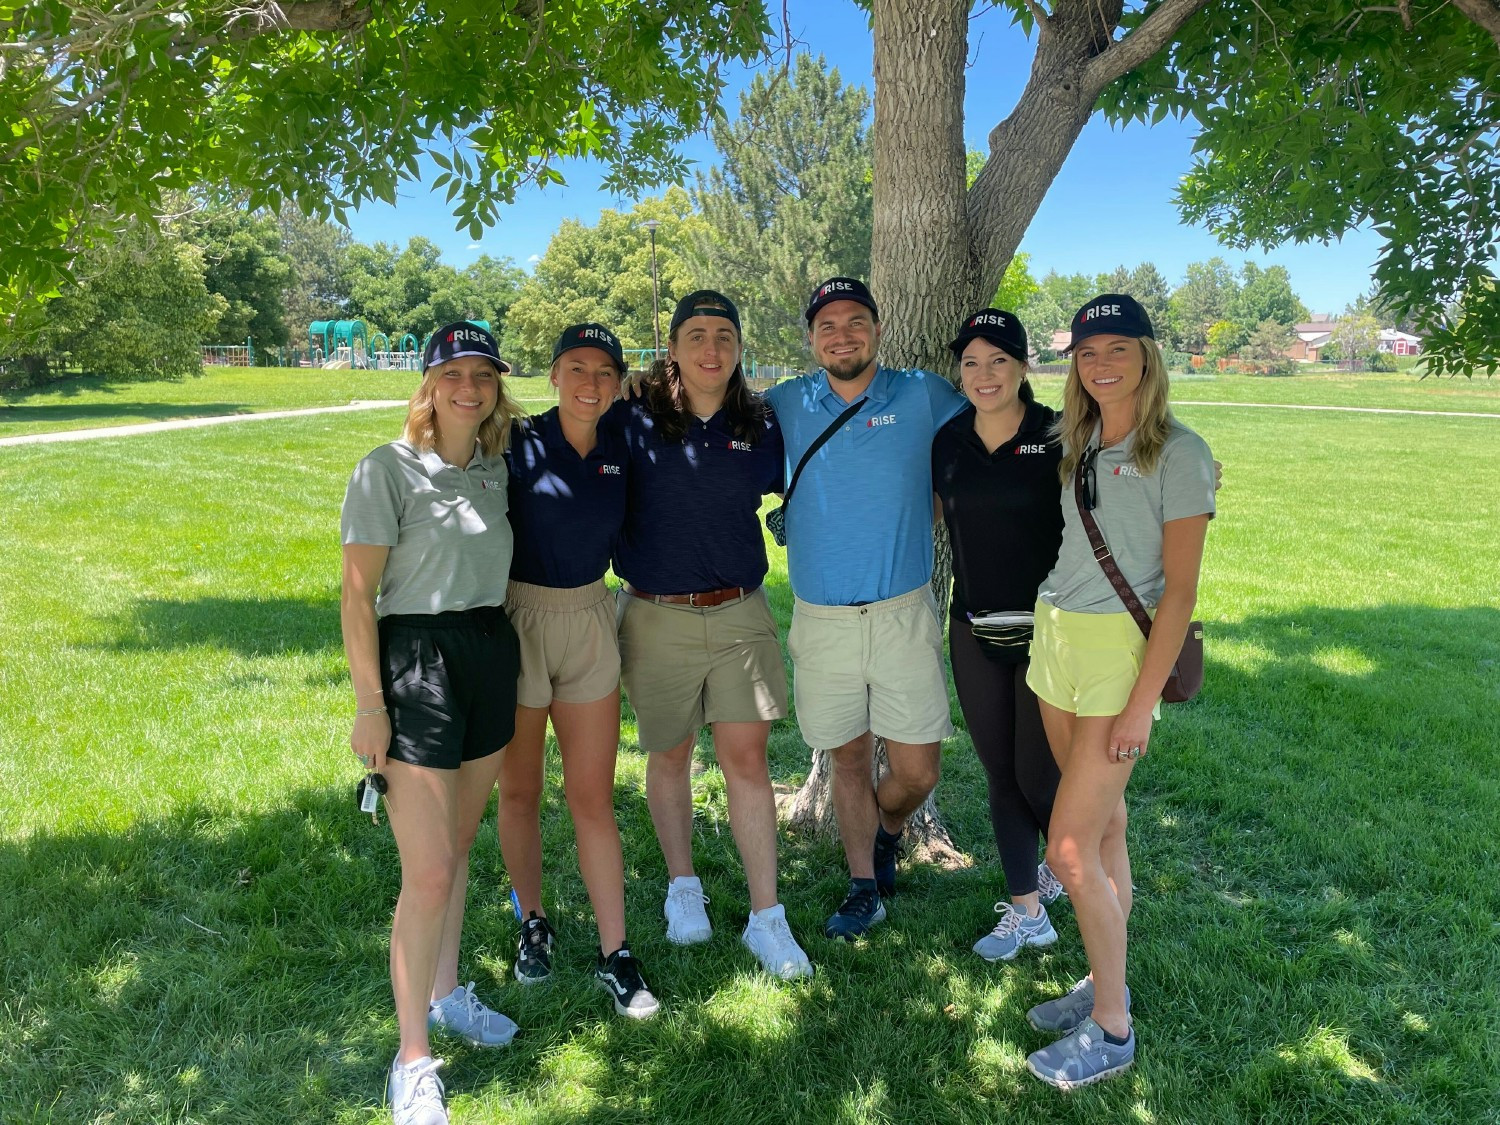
[(849, 368)]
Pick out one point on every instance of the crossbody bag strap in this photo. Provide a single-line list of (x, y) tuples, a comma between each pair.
[(818, 444), (1106, 560)]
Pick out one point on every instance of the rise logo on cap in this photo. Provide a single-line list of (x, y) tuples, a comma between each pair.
[(841, 289), (996, 326), (459, 339), (1111, 314)]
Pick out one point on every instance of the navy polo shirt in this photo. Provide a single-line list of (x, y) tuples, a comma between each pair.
[(565, 509), (692, 523), (859, 525), (1003, 510)]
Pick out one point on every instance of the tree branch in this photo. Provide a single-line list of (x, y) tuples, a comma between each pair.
[(1486, 13), (314, 15), (1153, 33)]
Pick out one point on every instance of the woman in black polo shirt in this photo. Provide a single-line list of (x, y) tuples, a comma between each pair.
[(433, 660), (567, 501), (698, 642), (994, 468)]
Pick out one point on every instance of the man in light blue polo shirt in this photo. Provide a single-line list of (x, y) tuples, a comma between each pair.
[(865, 641)]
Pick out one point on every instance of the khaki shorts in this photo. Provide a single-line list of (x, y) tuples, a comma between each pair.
[(684, 667), (876, 667), (1086, 663), (568, 647)]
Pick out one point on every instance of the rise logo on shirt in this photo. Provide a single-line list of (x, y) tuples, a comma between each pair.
[(491, 484), (880, 420), (1031, 449), (741, 446), (609, 470), (1127, 471)]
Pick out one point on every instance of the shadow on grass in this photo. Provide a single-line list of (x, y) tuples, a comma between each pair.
[(248, 626)]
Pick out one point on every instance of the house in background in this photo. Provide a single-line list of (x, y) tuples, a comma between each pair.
[(1395, 342), (1312, 337)]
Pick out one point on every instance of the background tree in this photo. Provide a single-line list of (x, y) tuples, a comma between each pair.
[(138, 309), (1204, 298), (413, 290), (318, 274), (330, 103), (1356, 335), (789, 203), (1265, 294), (1266, 348), (1149, 286), (1223, 339), (603, 273), (244, 263)]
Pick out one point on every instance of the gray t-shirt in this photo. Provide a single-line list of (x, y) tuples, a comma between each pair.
[(1130, 511), (447, 528)]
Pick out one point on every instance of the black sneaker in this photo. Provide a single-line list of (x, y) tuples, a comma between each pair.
[(861, 910), (619, 974), (534, 952), (887, 851)]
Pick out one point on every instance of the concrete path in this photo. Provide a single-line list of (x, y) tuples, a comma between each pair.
[(189, 423), (1346, 409)]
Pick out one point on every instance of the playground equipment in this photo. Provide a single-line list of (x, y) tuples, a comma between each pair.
[(228, 355), (342, 343), (403, 357)]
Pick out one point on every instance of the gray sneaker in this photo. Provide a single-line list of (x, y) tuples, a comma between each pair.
[(1068, 1010), (461, 1013), (1082, 1058), (415, 1093), (1016, 930), (1049, 887)]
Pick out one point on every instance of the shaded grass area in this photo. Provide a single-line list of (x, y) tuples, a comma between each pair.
[(88, 401), (194, 928)]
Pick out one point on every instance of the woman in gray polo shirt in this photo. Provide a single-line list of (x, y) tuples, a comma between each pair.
[(433, 659), (1148, 483)]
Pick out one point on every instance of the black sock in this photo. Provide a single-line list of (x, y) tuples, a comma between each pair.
[(862, 884), (1115, 1039), (886, 837)]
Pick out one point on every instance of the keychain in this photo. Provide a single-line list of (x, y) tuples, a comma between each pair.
[(367, 794)]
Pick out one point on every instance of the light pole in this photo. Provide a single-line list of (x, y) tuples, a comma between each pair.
[(651, 225)]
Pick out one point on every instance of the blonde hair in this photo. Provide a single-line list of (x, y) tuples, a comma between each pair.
[(421, 418), (1152, 423)]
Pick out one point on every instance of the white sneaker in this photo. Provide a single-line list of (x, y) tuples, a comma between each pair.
[(769, 937), (1016, 930), (1049, 887), (687, 921), (461, 1013), (415, 1093)]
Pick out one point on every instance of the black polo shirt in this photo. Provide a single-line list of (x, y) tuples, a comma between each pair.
[(692, 523), (565, 509), (1003, 510)]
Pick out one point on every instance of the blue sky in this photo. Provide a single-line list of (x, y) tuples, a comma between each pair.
[(1127, 175)]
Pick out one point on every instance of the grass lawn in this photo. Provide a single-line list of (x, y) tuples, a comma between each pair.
[(84, 402), (195, 918)]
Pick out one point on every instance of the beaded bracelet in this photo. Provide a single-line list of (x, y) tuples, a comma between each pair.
[(369, 711)]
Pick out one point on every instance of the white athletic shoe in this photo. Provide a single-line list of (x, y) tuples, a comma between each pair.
[(1016, 930), (687, 921), (769, 937), (461, 1013), (415, 1093), (1049, 887)]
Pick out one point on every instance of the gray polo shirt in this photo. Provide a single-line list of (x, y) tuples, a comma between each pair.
[(1130, 512), (447, 528)]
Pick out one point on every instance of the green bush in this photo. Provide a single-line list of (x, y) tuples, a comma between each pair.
[(1381, 361)]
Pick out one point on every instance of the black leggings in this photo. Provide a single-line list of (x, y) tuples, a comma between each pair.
[(1005, 725)]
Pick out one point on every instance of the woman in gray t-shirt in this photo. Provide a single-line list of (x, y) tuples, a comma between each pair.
[(433, 660), (1148, 482)]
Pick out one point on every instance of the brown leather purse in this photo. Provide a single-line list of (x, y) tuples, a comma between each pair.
[(1186, 679)]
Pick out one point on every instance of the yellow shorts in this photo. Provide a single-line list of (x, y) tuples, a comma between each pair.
[(1086, 663), (568, 647)]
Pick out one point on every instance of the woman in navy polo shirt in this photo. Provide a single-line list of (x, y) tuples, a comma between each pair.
[(567, 501), (697, 639), (994, 469), (433, 661)]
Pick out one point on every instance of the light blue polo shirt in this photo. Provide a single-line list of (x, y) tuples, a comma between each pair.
[(859, 526)]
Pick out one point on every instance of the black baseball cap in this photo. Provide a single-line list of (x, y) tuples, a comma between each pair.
[(1110, 314), (705, 302), (996, 326), (461, 338), (590, 335), (841, 289)]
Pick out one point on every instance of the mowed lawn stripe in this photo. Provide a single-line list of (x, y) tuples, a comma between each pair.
[(196, 920)]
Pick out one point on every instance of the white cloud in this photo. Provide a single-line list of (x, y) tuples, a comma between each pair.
[(473, 246), (534, 259)]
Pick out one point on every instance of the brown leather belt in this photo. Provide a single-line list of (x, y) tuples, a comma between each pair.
[(707, 599)]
